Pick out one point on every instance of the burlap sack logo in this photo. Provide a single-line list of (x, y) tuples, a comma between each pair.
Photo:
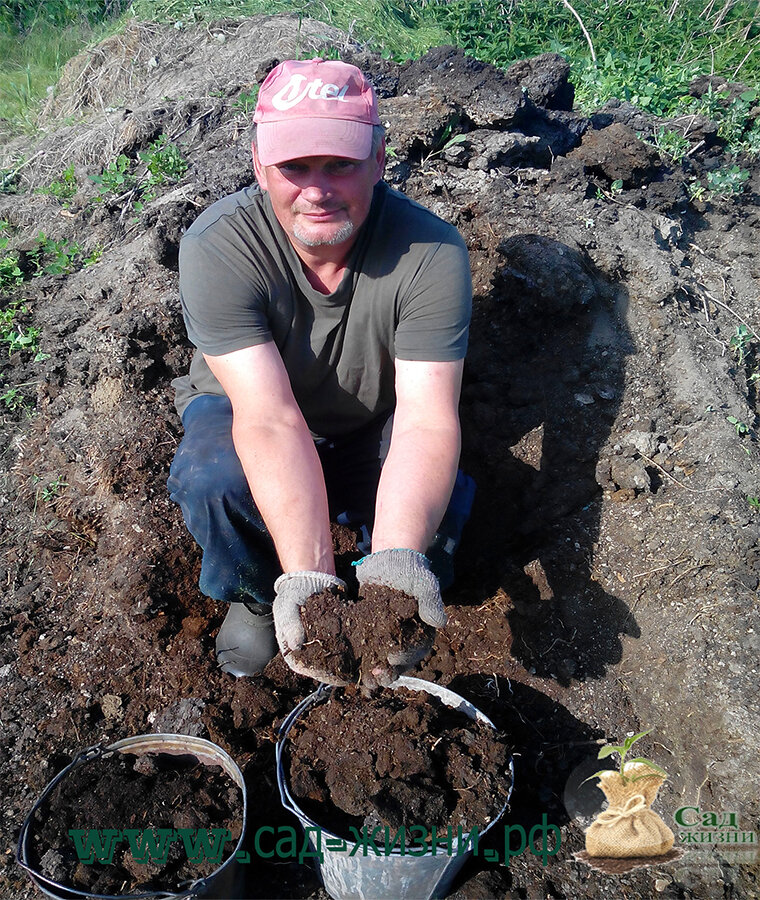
[(629, 828)]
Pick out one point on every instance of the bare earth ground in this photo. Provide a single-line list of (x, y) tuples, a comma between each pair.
[(607, 582)]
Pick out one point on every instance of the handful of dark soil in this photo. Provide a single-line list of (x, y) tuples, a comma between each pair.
[(350, 636), (397, 758), (128, 792)]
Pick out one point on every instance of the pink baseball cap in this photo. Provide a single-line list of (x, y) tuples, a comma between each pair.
[(314, 107)]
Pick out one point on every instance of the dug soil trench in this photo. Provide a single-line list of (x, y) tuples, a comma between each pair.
[(607, 580)]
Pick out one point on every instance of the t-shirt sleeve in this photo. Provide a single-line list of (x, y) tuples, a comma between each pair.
[(222, 294), (434, 316)]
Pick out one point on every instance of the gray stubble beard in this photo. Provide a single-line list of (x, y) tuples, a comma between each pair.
[(342, 234)]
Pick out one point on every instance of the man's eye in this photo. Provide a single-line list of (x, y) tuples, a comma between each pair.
[(343, 166), (291, 168)]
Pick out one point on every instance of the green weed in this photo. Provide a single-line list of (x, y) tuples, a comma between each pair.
[(64, 188), (10, 273), (53, 257), (13, 399), (742, 344), (49, 492), (754, 502), (610, 193), (671, 144), (164, 164), (738, 130), (728, 181), (654, 85), (696, 190), (740, 427), (115, 179), (94, 256), (15, 335), (245, 102)]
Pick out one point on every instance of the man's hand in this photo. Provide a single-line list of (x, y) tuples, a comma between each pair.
[(407, 571), (292, 590)]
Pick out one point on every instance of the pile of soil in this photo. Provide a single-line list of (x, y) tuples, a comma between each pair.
[(349, 637), (397, 759), (125, 791)]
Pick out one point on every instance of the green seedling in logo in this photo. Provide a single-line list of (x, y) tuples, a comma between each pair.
[(622, 751)]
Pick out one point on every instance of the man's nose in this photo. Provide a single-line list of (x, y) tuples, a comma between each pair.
[(317, 187)]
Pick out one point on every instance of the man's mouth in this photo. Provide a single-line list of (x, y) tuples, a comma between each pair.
[(320, 215)]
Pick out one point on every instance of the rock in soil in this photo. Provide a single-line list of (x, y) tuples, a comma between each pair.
[(349, 637), (398, 758), (141, 793)]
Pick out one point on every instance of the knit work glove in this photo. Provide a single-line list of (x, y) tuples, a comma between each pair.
[(292, 590), (407, 571)]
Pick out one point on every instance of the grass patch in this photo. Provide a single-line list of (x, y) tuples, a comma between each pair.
[(36, 41), (395, 29)]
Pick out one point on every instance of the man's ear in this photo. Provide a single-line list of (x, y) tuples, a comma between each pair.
[(259, 170), (380, 161)]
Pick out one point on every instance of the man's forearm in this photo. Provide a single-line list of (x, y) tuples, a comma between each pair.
[(415, 486), (286, 480)]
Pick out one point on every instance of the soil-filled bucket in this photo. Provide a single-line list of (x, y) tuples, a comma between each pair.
[(351, 875), (223, 881)]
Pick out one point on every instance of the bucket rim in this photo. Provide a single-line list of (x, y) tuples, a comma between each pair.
[(202, 749), (403, 681)]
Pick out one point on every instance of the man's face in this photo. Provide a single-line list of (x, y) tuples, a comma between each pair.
[(321, 200)]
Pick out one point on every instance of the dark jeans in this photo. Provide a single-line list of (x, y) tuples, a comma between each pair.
[(239, 559)]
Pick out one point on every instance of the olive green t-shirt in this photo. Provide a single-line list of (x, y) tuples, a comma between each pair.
[(406, 294)]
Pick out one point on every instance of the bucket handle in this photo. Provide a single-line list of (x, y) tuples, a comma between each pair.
[(285, 797), (96, 751)]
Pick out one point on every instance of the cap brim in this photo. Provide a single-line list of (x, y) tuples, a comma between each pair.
[(278, 142)]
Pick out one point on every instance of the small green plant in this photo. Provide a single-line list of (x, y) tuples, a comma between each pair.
[(64, 188), (670, 143), (611, 192), (445, 142), (115, 179), (53, 489), (727, 182), (10, 273), (740, 427), (8, 181), (741, 344), (696, 190), (245, 103), (754, 502), (48, 492), (13, 399), (16, 336), (732, 116), (163, 161), (53, 257), (622, 751), (94, 256)]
